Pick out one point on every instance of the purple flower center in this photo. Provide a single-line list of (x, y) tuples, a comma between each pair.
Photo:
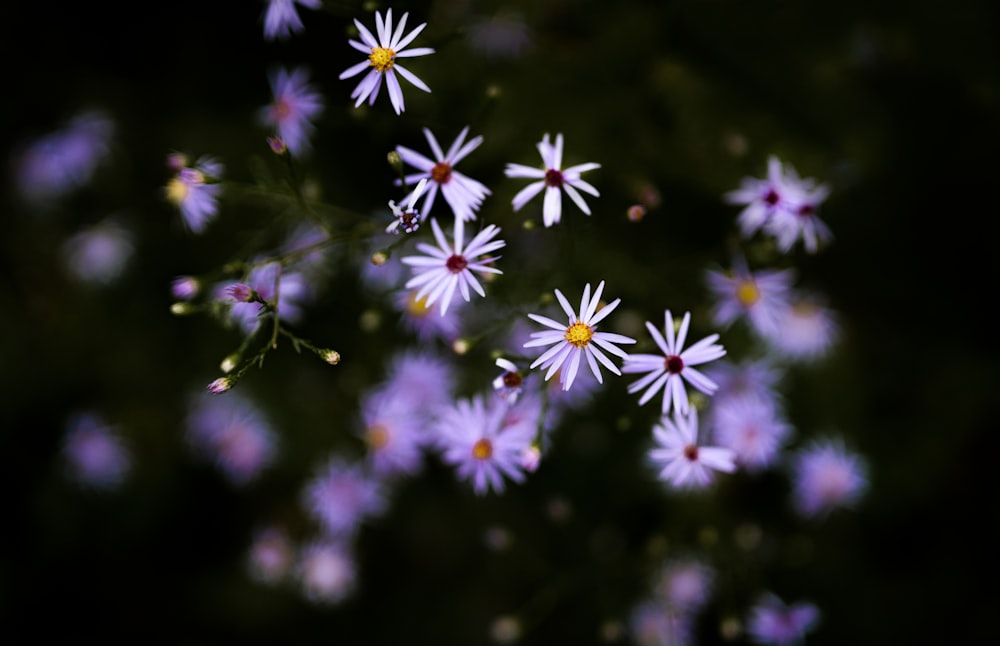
[(441, 173), (456, 263), (674, 364), (691, 452), (772, 197), (553, 177)]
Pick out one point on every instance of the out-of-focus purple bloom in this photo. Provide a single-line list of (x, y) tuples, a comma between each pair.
[(762, 198), (66, 159), (752, 427), (342, 495), (684, 584), (825, 475), (271, 555), (395, 432), (652, 623), (752, 378), (195, 189), (772, 622), (232, 432), (281, 19), (806, 330), (761, 296), (683, 463), (185, 288), (94, 453), (296, 104), (472, 437), (292, 289), (99, 253), (418, 317), (502, 36), (326, 571), (422, 378)]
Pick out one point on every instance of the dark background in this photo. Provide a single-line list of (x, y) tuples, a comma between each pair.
[(894, 104)]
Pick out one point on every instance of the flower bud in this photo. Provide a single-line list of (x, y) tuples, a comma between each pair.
[(332, 357), (229, 362), (220, 385)]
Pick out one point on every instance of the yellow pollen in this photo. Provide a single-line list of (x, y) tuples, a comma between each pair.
[(579, 334), (377, 436), (382, 58), (747, 293), (482, 449), (177, 190)]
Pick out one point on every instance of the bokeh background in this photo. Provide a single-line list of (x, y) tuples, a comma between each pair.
[(893, 104)]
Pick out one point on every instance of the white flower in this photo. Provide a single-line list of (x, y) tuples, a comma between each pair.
[(448, 266), (552, 179), (573, 340), (408, 218), (382, 55), (682, 461), (670, 370), (463, 194)]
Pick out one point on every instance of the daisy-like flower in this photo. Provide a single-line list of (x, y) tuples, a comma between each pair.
[(473, 437), (99, 253), (382, 55), (683, 463), (281, 19), (578, 337), (798, 219), (449, 266), (233, 432), (772, 622), (806, 330), (406, 218), (295, 104), (762, 198), (751, 426), (510, 381), (195, 190), (670, 370), (327, 571), (394, 433), (94, 452), (826, 476), (760, 296), (266, 281), (463, 194), (420, 319), (553, 180), (342, 495), (270, 555)]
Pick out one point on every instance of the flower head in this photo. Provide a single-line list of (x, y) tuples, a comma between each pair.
[(393, 430), (806, 329), (682, 461), (449, 266), (578, 338), (342, 495), (295, 105), (510, 381), (381, 58), (760, 296), (772, 622), (94, 453), (285, 290), (553, 180), (282, 19), (270, 555), (99, 253), (195, 190), (826, 476), (232, 432), (327, 571), (752, 427), (463, 194), (406, 218), (670, 370), (473, 437)]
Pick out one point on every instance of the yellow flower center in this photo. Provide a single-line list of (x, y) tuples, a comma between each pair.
[(747, 293), (377, 436), (382, 58), (579, 334), (482, 449), (177, 190), (417, 308)]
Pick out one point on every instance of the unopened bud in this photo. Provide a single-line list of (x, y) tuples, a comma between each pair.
[(185, 287), (530, 457), (277, 145), (332, 357), (395, 161), (461, 346), (636, 212), (229, 362), (181, 309), (220, 385), (240, 292), (379, 258)]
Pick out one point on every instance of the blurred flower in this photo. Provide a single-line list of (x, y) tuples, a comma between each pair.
[(446, 267), (651, 623), (99, 253), (295, 105), (752, 427), (463, 194), (342, 495), (503, 36), (423, 379), (806, 330), (669, 371), (826, 476), (232, 432), (66, 159), (508, 384), (752, 378), (762, 197), (195, 190), (266, 280), (772, 622), (760, 296), (552, 179), (683, 463), (326, 571), (281, 19), (382, 55), (185, 287), (472, 437), (394, 433), (418, 317), (270, 556), (684, 584), (573, 340), (93, 452)]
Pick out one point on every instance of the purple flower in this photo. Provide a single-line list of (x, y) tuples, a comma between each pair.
[(761, 297), (753, 378), (99, 253), (281, 19), (327, 571), (806, 330), (342, 495), (752, 427), (295, 105), (270, 556), (232, 432), (473, 438), (94, 453), (418, 317), (394, 430), (670, 370), (463, 194), (266, 280), (195, 190), (554, 180), (682, 461), (825, 475), (772, 622), (762, 198)]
